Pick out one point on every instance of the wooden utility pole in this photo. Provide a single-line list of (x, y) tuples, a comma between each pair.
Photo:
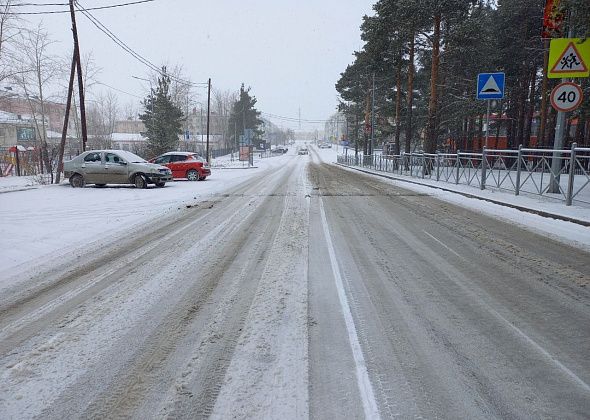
[(64, 132), (208, 116), (80, 80)]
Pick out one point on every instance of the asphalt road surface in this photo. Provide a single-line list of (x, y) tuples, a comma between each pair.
[(310, 292)]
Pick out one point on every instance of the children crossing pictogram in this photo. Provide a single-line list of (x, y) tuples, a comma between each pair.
[(570, 61), (569, 57)]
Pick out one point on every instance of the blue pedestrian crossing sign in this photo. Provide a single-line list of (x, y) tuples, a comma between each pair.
[(490, 85)]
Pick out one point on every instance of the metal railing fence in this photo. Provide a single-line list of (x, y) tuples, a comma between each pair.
[(558, 174)]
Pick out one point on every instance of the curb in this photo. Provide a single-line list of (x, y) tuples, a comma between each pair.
[(18, 190), (500, 203)]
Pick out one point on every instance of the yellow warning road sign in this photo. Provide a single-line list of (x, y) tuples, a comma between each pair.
[(569, 57)]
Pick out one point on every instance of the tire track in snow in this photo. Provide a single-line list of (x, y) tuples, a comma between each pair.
[(196, 400)]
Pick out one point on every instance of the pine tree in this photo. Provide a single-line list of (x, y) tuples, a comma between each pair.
[(244, 116), (162, 119)]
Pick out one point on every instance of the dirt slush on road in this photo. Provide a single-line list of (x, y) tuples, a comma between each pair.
[(315, 292)]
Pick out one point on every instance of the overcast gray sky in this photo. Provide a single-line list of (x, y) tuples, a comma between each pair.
[(290, 52)]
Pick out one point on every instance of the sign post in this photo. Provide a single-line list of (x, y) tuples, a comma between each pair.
[(568, 57), (490, 86)]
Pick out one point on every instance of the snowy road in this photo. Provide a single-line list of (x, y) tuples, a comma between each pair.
[(306, 291), (458, 315)]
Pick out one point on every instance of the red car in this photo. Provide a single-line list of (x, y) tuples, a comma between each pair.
[(185, 165)]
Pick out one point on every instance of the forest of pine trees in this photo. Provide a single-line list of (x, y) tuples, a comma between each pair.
[(424, 56)]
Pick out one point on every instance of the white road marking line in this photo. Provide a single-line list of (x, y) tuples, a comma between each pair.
[(440, 242), (529, 340), (544, 352), (362, 375)]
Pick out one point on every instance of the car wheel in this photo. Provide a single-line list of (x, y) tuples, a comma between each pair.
[(192, 175), (160, 184), (140, 181), (77, 181)]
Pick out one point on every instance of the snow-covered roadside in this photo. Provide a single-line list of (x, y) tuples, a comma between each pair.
[(566, 232), (41, 223), (147, 306)]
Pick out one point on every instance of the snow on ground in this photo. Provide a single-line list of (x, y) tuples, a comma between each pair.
[(42, 222), (566, 232)]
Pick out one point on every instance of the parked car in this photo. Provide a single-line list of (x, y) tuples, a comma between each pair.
[(101, 167), (279, 150), (185, 165)]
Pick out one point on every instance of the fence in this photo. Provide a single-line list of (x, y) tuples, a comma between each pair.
[(27, 162), (558, 174)]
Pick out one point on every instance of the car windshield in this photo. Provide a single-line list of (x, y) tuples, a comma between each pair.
[(130, 157), (198, 158)]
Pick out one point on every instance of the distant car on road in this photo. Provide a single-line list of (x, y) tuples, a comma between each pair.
[(102, 167), (185, 165), (279, 150), (303, 151), (325, 145)]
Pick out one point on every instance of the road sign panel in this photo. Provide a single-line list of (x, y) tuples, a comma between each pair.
[(569, 57), (566, 96), (490, 85)]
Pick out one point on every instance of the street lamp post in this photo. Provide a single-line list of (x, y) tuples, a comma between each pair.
[(208, 116)]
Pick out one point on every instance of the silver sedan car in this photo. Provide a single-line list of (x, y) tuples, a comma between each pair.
[(101, 167)]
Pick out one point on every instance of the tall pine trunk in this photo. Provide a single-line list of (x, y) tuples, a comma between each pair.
[(530, 108), (398, 104), (464, 133), (579, 136), (367, 123), (432, 104), (410, 95), (470, 133), (521, 112), (480, 142), (544, 84), (499, 123), (551, 123)]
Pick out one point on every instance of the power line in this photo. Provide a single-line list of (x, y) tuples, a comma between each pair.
[(67, 11), (115, 39), (118, 90), (130, 50), (293, 119), (39, 4)]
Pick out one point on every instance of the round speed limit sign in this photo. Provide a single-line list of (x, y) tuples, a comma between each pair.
[(566, 96)]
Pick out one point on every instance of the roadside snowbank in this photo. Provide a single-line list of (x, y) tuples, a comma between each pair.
[(565, 232), (39, 223)]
